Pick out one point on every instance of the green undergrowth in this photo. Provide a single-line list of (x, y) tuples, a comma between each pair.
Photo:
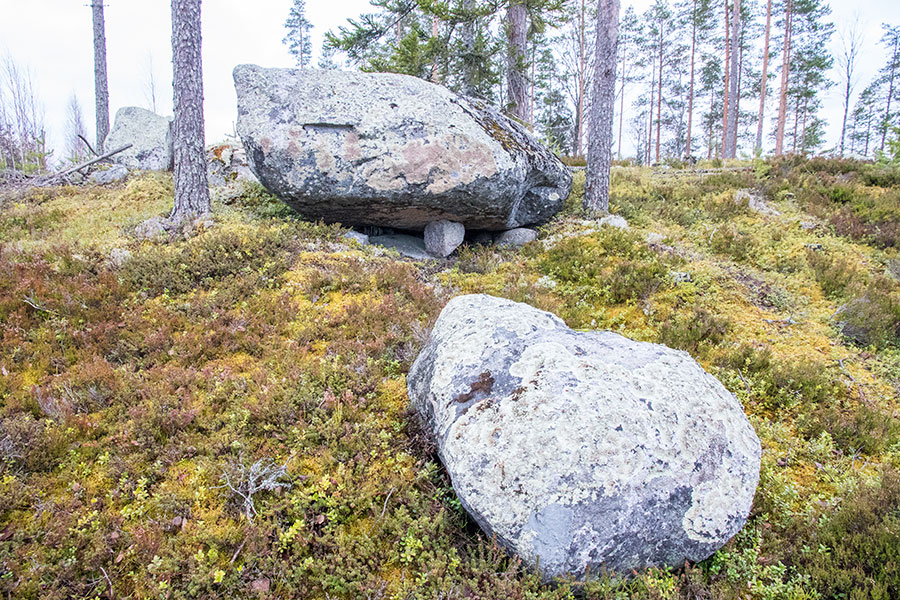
[(141, 382)]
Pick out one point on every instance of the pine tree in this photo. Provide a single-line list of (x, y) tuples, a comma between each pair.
[(596, 190), (101, 85), (732, 109), (699, 16), (785, 77), (298, 37), (191, 187), (865, 119), (890, 73), (764, 81)]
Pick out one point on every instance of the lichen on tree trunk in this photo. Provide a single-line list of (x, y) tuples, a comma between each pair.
[(517, 78), (101, 86)]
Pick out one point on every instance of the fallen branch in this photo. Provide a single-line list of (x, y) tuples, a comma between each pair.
[(93, 161), (88, 144)]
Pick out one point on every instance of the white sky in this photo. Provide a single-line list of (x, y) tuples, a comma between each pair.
[(53, 38)]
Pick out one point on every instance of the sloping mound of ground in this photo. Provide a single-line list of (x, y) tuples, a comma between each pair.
[(226, 416)]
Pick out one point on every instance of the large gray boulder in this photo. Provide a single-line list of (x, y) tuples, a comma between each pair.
[(580, 449), (150, 136), (392, 150)]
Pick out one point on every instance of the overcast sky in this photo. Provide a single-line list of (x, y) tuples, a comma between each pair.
[(53, 38)]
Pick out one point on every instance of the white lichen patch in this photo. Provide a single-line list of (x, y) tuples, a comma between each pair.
[(582, 429)]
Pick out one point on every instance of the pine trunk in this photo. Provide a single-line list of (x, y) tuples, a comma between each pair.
[(582, 50), (763, 87), (727, 83), (622, 107), (101, 85), (468, 42), (846, 112), (652, 107), (691, 92), (659, 94), (890, 95), (517, 79), (191, 188), (785, 79), (734, 90), (596, 191)]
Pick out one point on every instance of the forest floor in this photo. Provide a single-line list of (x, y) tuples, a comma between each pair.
[(141, 382)]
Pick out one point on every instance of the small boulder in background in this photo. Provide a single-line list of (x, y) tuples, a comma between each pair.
[(150, 136)]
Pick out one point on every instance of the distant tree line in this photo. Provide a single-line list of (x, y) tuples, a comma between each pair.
[(711, 78)]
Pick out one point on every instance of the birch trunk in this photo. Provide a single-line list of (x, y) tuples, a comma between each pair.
[(596, 190), (191, 188), (724, 145), (101, 85)]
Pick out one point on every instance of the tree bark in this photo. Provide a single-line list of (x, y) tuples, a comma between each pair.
[(622, 105), (468, 43), (727, 83), (734, 90), (890, 94), (764, 83), (648, 153), (785, 80), (516, 79), (691, 92), (596, 191), (191, 187), (101, 84), (659, 93), (582, 51)]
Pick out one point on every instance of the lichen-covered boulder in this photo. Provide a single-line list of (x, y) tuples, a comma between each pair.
[(392, 150), (583, 451), (150, 136)]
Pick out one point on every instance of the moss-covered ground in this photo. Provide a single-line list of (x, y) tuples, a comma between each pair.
[(139, 379)]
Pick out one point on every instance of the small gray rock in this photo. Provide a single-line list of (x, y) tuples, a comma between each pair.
[(755, 202), (614, 221), (517, 237), (808, 225), (151, 229), (119, 256), (583, 449), (407, 245), (443, 237), (680, 277), (361, 238), (111, 175), (150, 136)]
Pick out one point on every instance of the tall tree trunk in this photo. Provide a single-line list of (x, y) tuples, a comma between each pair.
[(582, 51), (890, 95), (847, 90), (468, 42), (727, 83), (652, 107), (691, 92), (796, 125), (191, 188), (785, 79), (622, 106), (803, 128), (763, 86), (596, 190), (659, 93), (517, 80), (734, 90), (101, 85)]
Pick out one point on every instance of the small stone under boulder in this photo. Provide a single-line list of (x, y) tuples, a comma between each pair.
[(443, 237), (583, 450), (150, 136), (392, 150)]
